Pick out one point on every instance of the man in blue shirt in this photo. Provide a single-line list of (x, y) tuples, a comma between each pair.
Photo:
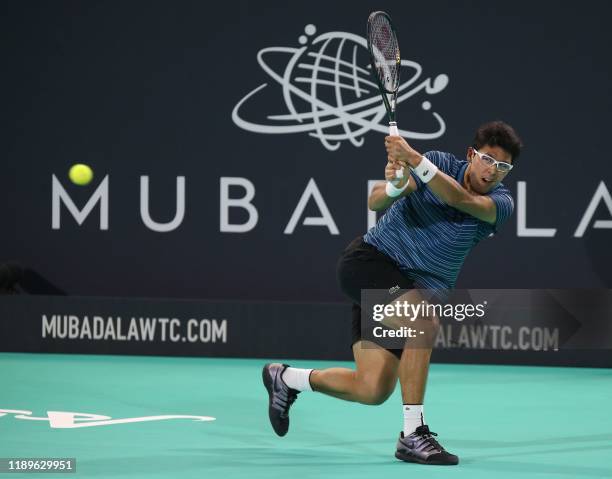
[(438, 208)]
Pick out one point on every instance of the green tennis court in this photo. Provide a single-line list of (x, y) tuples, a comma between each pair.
[(502, 421)]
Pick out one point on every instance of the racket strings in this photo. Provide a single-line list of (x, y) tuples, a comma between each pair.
[(385, 51)]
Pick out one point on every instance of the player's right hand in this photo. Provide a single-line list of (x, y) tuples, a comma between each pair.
[(390, 175)]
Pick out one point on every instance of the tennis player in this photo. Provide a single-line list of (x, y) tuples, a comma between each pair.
[(435, 215)]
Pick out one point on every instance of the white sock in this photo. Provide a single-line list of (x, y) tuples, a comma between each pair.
[(297, 378), (413, 418)]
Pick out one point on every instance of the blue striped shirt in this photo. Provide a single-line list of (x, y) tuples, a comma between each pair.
[(428, 239)]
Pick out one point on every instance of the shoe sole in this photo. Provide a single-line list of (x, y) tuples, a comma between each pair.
[(409, 458), (267, 380)]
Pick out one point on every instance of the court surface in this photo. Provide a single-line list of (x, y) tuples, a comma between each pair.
[(503, 421)]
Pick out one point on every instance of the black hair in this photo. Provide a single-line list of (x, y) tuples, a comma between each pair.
[(498, 133)]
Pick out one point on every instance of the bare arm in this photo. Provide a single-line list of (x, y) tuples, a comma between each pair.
[(453, 194)]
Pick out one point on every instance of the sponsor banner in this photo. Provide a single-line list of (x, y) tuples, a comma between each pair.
[(557, 327), (173, 327), (237, 166)]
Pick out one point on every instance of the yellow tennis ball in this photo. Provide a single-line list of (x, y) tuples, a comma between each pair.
[(80, 174)]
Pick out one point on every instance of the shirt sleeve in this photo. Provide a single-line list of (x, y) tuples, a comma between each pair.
[(444, 162), (441, 160), (504, 205)]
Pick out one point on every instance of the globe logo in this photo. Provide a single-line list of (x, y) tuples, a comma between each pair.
[(328, 92)]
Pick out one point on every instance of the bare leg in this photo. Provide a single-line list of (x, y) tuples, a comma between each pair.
[(414, 363), (372, 382), (413, 370)]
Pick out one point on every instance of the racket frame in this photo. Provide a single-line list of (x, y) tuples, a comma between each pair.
[(390, 103)]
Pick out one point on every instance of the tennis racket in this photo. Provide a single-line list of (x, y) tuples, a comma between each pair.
[(386, 61)]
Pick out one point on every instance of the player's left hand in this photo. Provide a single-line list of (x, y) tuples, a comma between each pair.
[(400, 151)]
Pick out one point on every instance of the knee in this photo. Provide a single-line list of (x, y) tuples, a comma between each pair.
[(376, 391)]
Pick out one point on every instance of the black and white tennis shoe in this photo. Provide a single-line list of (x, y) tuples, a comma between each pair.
[(421, 447), (281, 396)]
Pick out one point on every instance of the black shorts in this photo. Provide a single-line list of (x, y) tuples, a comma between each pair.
[(362, 266)]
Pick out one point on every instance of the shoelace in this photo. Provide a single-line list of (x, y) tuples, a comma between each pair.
[(427, 436), (291, 398), (285, 399)]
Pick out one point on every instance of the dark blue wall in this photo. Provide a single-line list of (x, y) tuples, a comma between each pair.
[(148, 89)]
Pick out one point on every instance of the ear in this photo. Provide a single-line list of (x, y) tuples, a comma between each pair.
[(469, 154)]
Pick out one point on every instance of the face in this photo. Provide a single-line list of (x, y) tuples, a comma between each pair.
[(483, 178)]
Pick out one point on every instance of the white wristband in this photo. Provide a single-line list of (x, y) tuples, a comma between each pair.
[(392, 191), (426, 170)]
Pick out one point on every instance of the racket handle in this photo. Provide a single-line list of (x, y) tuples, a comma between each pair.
[(393, 131)]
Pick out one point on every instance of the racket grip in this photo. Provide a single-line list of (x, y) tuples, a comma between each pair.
[(393, 131)]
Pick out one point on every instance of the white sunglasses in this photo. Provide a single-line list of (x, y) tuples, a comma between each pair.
[(489, 161)]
